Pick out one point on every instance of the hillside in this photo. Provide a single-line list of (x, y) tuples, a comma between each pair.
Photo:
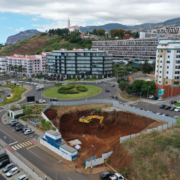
[(20, 36), (39, 43), (154, 155)]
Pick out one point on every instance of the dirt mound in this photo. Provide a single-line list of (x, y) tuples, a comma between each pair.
[(51, 113)]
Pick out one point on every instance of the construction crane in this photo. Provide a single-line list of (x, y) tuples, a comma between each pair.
[(88, 119)]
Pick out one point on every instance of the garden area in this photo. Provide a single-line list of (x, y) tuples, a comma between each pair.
[(72, 91), (16, 90)]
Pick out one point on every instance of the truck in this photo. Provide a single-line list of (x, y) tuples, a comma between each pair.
[(39, 87), (40, 101)]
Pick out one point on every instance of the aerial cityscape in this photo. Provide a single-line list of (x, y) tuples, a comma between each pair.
[(89, 90)]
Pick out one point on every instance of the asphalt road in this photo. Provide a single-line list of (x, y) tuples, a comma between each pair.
[(38, 157), (2, 178)]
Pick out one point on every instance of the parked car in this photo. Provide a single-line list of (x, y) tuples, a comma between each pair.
[(24, 129), (112, 85), (4, 162), (14, 123), (175, 117), (151, 96), (40, 101), (64, 84), (167, 107), (18, 124), (12, 172), (177, 109), (3, 156), (107, 90), (11, 121), (140, 108), (29, 131), (17, 84), (20, 127), (22, 177), (53, 99), (172, 108), (155, 98), (159, 113), (162, 106), (116, 176), (165, 115), (172, 101), (160, 99), (105, 175), (8, 167)]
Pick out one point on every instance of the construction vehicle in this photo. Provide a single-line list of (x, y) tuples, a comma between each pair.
[(88, 119)]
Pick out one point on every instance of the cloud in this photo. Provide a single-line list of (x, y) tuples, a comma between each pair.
[(3, 18), (103, 11), (20, 29), (35, 19), (9, 28)]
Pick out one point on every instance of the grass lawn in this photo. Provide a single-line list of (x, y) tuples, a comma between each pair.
[(16, 91), (92, 90), (128, 97), (91, 79), (177, 104)]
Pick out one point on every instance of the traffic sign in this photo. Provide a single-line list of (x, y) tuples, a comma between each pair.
[(7, 106), (37, 137)]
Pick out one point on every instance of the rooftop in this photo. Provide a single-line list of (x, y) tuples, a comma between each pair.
[(55, 133), (15, 109), (68, 148)]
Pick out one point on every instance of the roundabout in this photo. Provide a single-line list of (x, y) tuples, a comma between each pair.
[(65, 92)]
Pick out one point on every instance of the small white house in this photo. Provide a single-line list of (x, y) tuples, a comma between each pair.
[(53, 136), (15, 111)]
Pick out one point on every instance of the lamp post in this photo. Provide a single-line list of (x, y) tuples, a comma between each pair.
[(56, 168), (91, 153), (147, 96), (86, 91)]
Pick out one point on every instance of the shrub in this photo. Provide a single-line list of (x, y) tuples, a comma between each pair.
[(12, 106), (8, 114), (66, 87), (19, 115), (81, 88), (23, 106), (67, 91), (53, 128)]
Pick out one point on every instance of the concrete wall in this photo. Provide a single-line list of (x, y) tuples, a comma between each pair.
[(21, 165)]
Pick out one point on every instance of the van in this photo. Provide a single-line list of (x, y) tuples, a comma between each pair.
[(3, 156), (4, 163)]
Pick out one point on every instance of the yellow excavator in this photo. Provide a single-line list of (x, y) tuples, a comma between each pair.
[(88, 119)]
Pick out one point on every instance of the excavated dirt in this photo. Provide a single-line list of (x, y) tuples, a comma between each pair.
[(116, 125)]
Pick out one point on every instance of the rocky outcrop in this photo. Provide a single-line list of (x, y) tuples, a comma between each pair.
[(20, 36)]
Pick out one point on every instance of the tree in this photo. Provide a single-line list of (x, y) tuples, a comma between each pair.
[(148, 87), (137, 85), (128, 32), (130, 89), (117, 33), (57, 85), (47, 125), (146, 67), (123, 85), (23, 106), (178, 121), (100, 32), (12, 106), (28, 111), (43, 121), (94, 32)]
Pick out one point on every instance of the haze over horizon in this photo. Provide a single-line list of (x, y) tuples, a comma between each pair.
[(16, 16)]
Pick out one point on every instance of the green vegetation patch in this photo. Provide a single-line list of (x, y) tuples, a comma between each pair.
[(177, 104), (81, 88), (54, 92), (16, 90)]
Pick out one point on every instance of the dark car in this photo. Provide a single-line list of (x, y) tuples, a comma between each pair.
[(4, 163), (155, 98), (140, 108), (105, 175), (3, 156), (18, 124), (112, 85), (14, 123), (30, 80), (162, 106), (107, 90), (172, 102), (53, 99), (20, 127), (167, 107), (172, 108), (8, 167)]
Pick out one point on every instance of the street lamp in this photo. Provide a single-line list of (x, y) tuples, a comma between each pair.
[(86, 91), (56, 168), (147, 96), (91, 153)]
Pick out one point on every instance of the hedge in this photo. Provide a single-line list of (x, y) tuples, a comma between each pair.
[(81, 88), (68, 92), (66, 87), (19, 115)]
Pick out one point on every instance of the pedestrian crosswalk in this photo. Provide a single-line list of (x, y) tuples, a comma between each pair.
[(17, 145)]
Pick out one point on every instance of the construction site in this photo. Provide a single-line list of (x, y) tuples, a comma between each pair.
[(103, 131)]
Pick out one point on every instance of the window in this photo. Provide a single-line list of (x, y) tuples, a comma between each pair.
[(157, 70), (168, 56), (168, 51), (160, 71), (166, 77), (176, 77), (159, 81), (178, 51), (167, 61), (167, 67), (166, 82), (176, 82), (178, 56), (156, 80), (161, 61), (160, 66), (161, 50), (159, 76), (160, 56)]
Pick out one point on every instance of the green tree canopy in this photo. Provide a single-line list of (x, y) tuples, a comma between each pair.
[(123, 85), (43, 121), (137, 85), (23, 106), (146, 67), (12, 106), (100, 32), (28, 111), (130, 89), (148, 87)]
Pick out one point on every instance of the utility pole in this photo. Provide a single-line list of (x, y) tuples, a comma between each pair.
[(56, 168)]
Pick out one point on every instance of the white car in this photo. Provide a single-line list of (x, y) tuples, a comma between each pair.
[(160, 99), (64, 84), (28, 131), (151, 96), (22, 177), (116, 176), (177, 109), (12, 172)]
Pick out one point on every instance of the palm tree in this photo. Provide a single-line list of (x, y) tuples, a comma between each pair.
[(20, 69)]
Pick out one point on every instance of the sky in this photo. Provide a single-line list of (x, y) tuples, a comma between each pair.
[(21, 15)]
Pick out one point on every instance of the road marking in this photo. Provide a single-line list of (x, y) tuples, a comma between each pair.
[(19, 146), (8, 135), (36, 155), (31, 147), (28, 143), (13, 143), (69, 178), (14, 148)]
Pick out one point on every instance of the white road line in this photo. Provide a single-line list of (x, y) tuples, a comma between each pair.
[(13, 148), (19, 146), (13, 143), (16, 147)]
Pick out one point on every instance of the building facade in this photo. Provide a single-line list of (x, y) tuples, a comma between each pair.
[(80, 63), (32, 64), (131, 49), (3, 64), (167, 72)]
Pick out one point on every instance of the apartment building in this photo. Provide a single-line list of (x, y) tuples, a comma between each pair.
[(32, 64), (167, 72), (131, 49), (80, 63), (3, 64)]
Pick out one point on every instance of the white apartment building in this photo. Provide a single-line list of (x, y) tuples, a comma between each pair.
[(3, 64), (167, 72)]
